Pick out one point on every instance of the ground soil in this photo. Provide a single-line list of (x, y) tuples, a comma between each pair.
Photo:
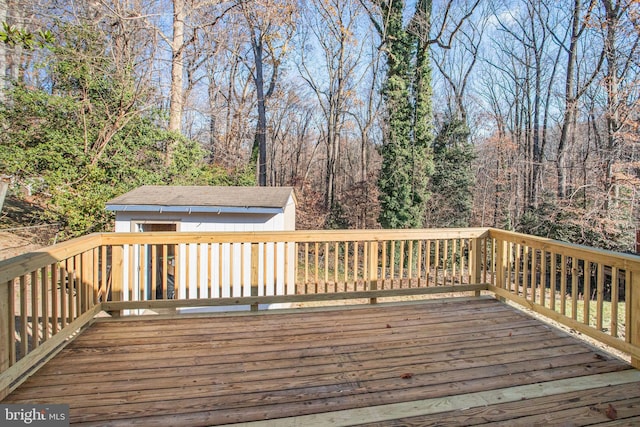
[(13, 245), (22, 228)]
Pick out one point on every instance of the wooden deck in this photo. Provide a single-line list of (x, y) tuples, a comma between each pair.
[(465, 361)]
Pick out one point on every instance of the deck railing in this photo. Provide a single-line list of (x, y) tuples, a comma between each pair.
[(229, 268), (47, 296), (595, 292)]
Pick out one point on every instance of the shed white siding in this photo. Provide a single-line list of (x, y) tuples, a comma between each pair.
[(128, 221)]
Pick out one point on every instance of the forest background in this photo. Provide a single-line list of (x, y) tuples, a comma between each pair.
[(520, 115)]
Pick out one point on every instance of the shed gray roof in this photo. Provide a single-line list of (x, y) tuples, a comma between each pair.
[(203, 196)]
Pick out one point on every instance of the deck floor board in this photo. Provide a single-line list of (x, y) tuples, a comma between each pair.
[(564, 409), (245, 368)]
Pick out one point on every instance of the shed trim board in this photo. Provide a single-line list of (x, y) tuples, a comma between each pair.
[(194, 209), (208, 222)]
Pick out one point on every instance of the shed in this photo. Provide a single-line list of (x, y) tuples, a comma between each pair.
[(205, 208), (152, 208)]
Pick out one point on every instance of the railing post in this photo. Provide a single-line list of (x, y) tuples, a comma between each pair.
[(476, 260), (373, 269), (634, 307), (86, 281), (5, 333), (501, 265), (117, 275), (255, 277)]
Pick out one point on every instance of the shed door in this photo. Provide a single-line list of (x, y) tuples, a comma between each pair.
[(158, 286)]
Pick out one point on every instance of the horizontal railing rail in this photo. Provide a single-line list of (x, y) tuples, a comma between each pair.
[(111, 306), (47, 296)]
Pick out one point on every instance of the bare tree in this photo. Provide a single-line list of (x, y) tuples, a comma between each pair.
[(333, 26), (188, 19), (270, 28), (231, 84), (579, 17), (177, 68), (618, 63), (528, 62), (3, 54)]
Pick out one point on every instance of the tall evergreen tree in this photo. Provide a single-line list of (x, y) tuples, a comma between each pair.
[(406, 151), (453, 181)]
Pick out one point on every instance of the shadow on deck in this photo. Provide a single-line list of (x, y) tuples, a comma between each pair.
[(459, 361)]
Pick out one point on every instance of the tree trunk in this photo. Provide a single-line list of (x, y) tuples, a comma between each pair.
[(177, 66), (570, 102), (3, 55), (537, 143), (4, 186), (613, 99), (333, 134), (13, 15), (261, 128), (329, 201), (213, 124)]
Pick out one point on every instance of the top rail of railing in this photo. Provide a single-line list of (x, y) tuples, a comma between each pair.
[(617, 259)]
